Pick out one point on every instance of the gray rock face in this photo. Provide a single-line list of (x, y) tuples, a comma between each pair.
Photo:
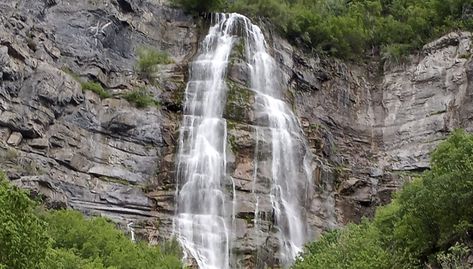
[(424, 101), (373, 131), (79, 151), (367, 130)]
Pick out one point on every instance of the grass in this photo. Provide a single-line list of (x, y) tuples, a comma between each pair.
[(32, 168), (68, 71), (148, 59), (141, 98), (9, 155), (95, 87), (88, 85)]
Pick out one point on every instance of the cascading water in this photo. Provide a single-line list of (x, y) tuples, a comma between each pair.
[(291, 173), (204, 219), (201, 222)]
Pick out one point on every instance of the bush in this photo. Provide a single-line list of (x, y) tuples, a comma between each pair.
[(394, 53), (425, 219), (23, 239), (455, 257), (35, 239), (97, 241), (141, 98), (347, 29), (354, 247), (95, 87), (197, 6), (87, 85), (148, 59)]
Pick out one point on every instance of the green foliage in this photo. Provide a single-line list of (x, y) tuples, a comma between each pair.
[(23, 240), (67, 259), (141, 98), (354, 247), (171, 248), (9, 155), (423, 221), (71, 73), (87, 85), (95, 87), (97, 241), (198, 6), (436, 209), (148, 59), (348, 29), (394, 53), (454, 258), (30, 238)]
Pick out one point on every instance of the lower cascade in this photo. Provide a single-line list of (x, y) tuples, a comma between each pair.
[(205, 220)]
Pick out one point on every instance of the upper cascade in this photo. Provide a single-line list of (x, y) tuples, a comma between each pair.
[(205, 219)]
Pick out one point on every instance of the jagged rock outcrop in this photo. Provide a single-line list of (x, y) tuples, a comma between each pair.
[(375, 129), (423, 102), (79, 151), (368, 129)]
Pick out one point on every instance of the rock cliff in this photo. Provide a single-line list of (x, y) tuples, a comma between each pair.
[(370, 128)]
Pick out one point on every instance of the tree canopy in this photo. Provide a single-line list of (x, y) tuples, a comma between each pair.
[(429, 220), (34, 238), (352, 29)]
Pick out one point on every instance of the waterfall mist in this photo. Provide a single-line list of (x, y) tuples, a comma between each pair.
[(204, 220)]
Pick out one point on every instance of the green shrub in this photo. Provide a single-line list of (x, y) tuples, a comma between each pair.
[(23, 240), (141, 98), (68, 259), (97, 240), (394, 53), (425, 219), (37, 239), (354, 247), (95, 87), (455, 257), (197, 6), (88, 85), (148, 59), (348, 29)]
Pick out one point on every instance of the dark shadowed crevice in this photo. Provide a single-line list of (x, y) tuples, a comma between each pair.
[(125, 6)]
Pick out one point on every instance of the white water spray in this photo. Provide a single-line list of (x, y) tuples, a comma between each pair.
[(202, 220), (205, 213), (290, 177)]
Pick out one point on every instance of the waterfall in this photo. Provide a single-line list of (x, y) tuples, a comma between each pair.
[(288, 191), (205, 194)]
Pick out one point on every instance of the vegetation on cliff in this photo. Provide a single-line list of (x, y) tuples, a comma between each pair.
[(149, 59), (33, 238), (141, 98), (200, 5), (350, 29), (429, 221)]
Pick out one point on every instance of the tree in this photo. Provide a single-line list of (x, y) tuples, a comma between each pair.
[(97, 241), (425, 220), (354, 247), (23, 240), (34, 238), (198, 6)]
